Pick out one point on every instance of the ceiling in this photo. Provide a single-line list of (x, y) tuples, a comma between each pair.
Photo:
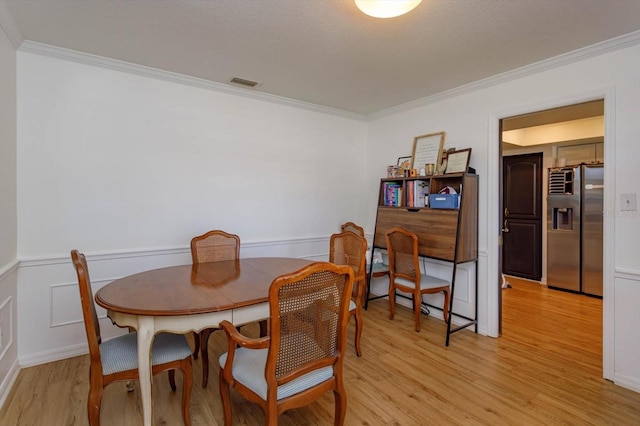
[(326, 52)]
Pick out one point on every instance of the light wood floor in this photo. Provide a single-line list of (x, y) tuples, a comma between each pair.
[(546, 369)]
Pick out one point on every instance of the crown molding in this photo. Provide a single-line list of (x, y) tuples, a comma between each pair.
[(8, 24), (131, 68), (597, 49)]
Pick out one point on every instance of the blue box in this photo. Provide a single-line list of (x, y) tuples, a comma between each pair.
[(444, 201)]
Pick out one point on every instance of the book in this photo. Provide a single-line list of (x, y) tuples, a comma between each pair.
[(420, 192)]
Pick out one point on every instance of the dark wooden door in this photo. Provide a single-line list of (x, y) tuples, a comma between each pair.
[(522, 230)]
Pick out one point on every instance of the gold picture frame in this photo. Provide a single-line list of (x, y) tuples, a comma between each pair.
[(458, 161), (427, 149)]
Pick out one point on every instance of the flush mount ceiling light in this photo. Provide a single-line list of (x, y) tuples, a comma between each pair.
[(386, 8)]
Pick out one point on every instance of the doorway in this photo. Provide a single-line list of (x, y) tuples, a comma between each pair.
[(536, 124)]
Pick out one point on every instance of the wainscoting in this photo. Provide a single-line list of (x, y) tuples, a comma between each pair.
[(50, 323)]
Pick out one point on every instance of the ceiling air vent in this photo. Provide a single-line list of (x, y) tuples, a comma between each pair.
[(244, 82)]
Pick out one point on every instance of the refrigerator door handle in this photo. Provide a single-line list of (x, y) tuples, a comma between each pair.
[(592, 186)]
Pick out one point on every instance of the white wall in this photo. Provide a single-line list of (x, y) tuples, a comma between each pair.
[(8, 242), (470, 118), (129, 168)]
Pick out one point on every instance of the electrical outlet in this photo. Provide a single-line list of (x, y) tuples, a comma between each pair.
[(628, 202)]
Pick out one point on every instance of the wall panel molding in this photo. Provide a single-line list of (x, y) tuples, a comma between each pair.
[(9, 268), (6, 325), (627, 274), (9, 380), (50, 322)]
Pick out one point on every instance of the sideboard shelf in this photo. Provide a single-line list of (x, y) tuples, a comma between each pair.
[(446, 234)]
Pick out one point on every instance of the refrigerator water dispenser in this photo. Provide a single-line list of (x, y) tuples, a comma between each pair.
[(563, 218)]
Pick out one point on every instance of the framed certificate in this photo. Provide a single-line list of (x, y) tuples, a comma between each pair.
[(427, 149), (458, 161)]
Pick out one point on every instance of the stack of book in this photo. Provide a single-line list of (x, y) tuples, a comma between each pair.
[(392, 194), (417, 191)]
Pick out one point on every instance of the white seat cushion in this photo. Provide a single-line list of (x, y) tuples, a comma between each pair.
[(248, 369), (121, 353), (379, 267), (426, 282), (352, 305)]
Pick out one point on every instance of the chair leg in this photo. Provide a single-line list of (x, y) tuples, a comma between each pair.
[(172, 379), (445, 305), (204, 344), (340, 400), (416, 308), (225, 396), (187, 384), (358, 318), (263, 328), (196, 344), (93, 404), (392, 300), (271, 413)]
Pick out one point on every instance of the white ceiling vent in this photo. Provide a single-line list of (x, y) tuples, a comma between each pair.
[(244, 82)]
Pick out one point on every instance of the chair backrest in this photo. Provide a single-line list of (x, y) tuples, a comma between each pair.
[(215, 246), (91, 324), (402, 248), (350, 226), (348, 248), (308, 321)]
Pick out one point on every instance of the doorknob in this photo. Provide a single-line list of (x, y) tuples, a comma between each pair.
[(506, 226), (506, 212)]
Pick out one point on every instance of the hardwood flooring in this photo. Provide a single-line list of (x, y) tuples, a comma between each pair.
[(546, 369)]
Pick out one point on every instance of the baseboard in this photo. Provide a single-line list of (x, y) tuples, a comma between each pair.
[(7, 384), (631, 383), (53, 355)]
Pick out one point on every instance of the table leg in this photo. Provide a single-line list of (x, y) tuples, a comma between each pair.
[(145, 340)]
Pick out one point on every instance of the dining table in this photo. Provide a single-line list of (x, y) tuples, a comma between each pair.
[(185, 298)]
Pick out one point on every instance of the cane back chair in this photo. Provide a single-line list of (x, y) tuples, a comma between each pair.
[(405, 274), (117, 359), (302, 358)]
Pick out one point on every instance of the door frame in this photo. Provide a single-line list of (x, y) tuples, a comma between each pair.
[(494, 214)]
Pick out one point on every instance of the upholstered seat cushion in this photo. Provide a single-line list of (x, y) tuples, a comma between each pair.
[(121, 353), (379, 268), (248, 369), (352, 305), (426, 281)]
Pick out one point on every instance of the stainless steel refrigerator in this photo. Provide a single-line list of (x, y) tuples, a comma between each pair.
[(574, 228)]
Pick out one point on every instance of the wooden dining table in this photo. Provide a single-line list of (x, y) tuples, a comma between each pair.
[(185, 298)]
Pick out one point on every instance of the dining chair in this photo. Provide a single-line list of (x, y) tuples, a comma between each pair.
[(377, 269), (117, 359), (405, 274), (350, 226), (214, 246), (348, 248), (302, 358)]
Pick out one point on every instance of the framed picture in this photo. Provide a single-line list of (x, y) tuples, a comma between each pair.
[(458, 161), (404, 162), (427, 149)]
